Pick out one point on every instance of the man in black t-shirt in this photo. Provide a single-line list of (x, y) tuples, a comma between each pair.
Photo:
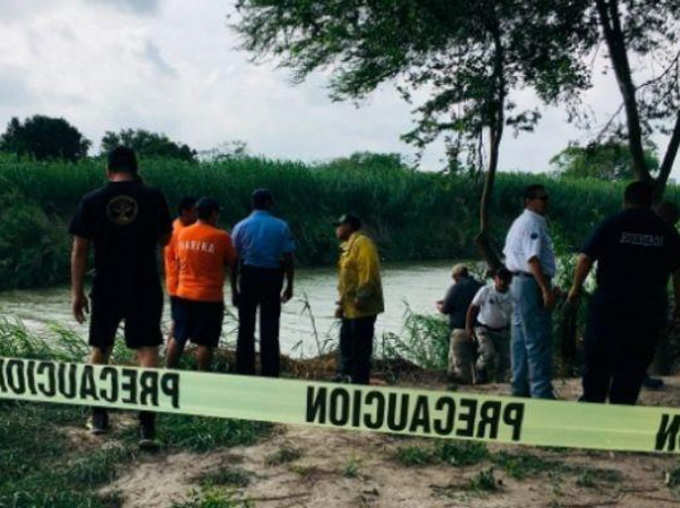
[(455, 304), (636, 252), (124, 221)]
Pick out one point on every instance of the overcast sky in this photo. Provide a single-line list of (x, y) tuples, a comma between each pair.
[(172, 66)]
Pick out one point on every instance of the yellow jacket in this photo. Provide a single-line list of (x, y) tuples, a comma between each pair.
[(359, 283)]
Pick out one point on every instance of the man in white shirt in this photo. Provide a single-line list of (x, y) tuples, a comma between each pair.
[(488, 321), (530, 257)]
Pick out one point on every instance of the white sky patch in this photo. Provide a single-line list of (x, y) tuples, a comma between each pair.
[(173, 67)]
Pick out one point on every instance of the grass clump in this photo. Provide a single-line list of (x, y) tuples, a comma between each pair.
[(283, 455), (201, 433), (484, 481), (452, 452), (415, 456), (522, 465), (213, 497), (460, 453), (351, 469)]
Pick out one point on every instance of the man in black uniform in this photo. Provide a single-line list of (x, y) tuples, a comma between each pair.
[(125, 221), (636, 252)]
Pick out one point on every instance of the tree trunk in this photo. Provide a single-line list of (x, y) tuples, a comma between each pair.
[(610, 22), (483, 240)]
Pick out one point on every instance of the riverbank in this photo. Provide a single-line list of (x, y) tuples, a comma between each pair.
[(412, 215), (49, 459)]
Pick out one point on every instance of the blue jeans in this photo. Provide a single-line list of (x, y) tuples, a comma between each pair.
[(531, 341)]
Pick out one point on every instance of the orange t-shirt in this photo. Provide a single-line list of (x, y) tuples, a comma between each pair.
[(170, 258), (203, 251)]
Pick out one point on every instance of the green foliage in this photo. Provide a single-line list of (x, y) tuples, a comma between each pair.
[(44, 138), (424, 340), (608, 161), (484, 481), (412, 215), (200, 434), (460, 453), (283, 455), (415, 456), (147, 144), (523, 464), (468, 57), (452, 452)]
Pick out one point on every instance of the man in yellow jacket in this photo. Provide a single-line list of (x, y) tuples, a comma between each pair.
[(360, 299)]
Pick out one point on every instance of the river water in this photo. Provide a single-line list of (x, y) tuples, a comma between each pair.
[(416, 285)]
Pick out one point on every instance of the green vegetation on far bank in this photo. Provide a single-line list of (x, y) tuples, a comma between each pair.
[(412, 215)]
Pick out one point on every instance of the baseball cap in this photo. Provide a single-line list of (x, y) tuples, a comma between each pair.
[(348, 218)]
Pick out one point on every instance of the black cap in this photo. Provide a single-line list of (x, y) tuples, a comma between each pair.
[(349, 218), (207, 205)]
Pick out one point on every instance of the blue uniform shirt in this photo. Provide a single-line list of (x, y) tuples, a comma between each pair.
[(261, 240)]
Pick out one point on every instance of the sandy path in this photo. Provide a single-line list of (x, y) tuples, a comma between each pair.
[(344, 468)]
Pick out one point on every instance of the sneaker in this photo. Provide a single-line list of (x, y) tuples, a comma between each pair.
[(652, 383), (147, 438), (98, 423)]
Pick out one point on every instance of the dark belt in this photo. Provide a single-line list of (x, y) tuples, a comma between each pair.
[(501, 329), (522, 274)]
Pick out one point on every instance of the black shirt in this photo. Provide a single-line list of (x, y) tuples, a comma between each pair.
[(636, 252), (457, 301), (124, 221)]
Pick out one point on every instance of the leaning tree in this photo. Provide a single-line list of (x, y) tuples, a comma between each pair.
[(468, 58)]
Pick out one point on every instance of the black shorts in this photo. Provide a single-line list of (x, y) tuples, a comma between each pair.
[(173, 307), (200, 322), (141, 312)]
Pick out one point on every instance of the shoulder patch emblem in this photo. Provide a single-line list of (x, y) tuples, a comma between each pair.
[(534, 236), (122, 210)]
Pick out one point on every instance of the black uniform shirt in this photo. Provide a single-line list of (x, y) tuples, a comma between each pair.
[(457, 301), (124, 220), (636, 251)]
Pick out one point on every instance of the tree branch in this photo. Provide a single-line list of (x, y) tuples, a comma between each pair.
[(611, 26), (668, 159)]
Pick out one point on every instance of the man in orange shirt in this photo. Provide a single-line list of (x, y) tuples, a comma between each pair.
[(203, 253), (186, 217)]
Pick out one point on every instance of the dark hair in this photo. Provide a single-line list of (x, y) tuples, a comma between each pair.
[(122, 160), (503, 273), (638, 194), (186, 203), (531, 191), (262, 199), (205, 208), (668, 211)]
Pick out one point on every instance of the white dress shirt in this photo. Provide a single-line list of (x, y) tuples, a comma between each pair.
[(528, 237)]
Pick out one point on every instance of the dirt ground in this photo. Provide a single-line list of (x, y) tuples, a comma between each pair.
[(308, 467)]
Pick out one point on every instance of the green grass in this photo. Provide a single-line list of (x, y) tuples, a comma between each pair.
[(283, 455), (230, 477), (42, 465), (451, 452)]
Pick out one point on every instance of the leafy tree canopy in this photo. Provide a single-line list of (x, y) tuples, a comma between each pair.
[(147, 144), (607, 161), (43, 138), (466, 56)]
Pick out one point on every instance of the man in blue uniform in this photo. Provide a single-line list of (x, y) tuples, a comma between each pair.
[(636, 252)]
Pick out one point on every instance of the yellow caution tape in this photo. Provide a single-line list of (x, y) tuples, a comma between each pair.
[(384, 409)]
